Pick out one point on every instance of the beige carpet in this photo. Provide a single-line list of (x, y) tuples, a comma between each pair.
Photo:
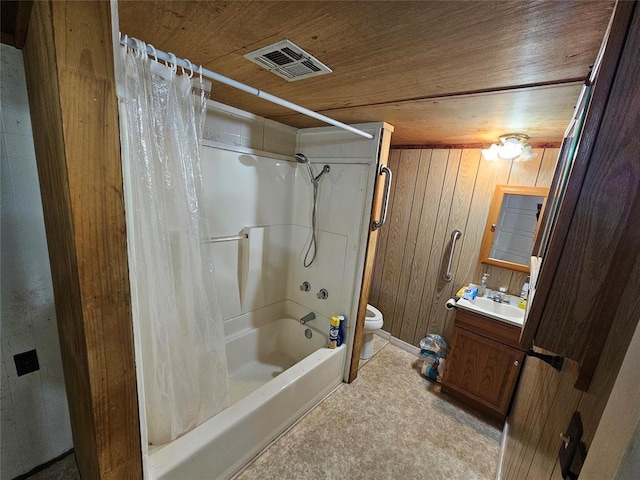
[(390, 423)]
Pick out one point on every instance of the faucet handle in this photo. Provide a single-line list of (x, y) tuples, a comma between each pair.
[(503, 289), (485, 276)]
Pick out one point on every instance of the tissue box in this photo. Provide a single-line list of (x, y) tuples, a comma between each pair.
[(470, 292)]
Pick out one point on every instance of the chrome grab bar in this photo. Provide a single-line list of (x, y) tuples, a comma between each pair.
[(230, 238), (385, 202), (455, 235)]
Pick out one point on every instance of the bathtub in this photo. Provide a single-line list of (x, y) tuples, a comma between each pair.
[(276, 374)]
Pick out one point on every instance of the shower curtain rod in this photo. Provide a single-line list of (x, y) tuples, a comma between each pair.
[(171, 58)]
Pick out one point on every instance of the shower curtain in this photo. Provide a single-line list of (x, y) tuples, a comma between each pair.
[(184, 366)]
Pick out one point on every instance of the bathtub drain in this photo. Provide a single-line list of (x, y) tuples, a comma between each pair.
[(308, 333)]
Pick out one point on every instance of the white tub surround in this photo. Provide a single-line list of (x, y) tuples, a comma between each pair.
[(259, 200), (276, 374)]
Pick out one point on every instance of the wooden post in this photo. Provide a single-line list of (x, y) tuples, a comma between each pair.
[(370, 255), (70, 77)]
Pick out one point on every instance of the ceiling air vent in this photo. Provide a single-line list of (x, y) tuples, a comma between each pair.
[(288, 61)]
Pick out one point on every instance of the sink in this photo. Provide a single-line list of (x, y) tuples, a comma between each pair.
[(504, 312)]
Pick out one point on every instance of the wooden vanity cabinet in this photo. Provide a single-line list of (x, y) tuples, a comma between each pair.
[(484, 363)]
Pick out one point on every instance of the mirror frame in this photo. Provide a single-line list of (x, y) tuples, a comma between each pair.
[(492, 220)]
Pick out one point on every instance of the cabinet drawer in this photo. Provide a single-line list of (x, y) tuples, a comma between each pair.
[(488, 327)]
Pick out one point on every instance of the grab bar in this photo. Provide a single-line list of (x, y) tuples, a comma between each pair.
[(385, 201), (455, 235), (229, 238)]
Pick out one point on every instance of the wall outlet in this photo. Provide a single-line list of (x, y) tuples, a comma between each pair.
[(26, 362)]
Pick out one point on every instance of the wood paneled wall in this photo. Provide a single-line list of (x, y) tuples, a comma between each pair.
[(546, 399), (436, 191)]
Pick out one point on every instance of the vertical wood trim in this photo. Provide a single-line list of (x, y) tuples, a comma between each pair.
[(370, 255), (383, 236), (46, 118), (70, 78)]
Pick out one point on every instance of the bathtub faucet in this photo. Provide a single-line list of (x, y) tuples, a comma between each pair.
[(307, 318)]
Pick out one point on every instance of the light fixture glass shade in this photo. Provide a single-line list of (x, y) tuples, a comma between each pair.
[(512, 146), (527, 154), (491, 153)]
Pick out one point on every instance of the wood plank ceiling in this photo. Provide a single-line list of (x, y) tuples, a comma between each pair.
[(443, 73)]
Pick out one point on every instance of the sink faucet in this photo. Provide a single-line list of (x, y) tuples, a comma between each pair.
[(499, 297), (483, 285), (307, 318)]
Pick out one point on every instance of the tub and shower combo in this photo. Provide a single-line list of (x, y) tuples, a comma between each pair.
[(288, 237)]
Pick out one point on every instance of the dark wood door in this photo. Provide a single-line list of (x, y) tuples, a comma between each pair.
[(482, 370)]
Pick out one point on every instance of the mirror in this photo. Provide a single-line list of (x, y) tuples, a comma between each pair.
[(512, 226)]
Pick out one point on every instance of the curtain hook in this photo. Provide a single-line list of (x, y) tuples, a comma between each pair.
[(190, 67), (173, 62), (139, 47), (134, 47), (200, 72), (155, 52), (143, 53), (125, 41), (134, 42)]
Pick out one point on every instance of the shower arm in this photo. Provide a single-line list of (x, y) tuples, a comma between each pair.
[(151, 51)]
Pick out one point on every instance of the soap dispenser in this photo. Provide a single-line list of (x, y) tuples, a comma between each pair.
[(483, 285), (524, 295)]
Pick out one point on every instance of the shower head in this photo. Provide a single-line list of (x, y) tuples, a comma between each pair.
[(302, 158)]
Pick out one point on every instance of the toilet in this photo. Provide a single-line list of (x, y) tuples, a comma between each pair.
[(372, 322)]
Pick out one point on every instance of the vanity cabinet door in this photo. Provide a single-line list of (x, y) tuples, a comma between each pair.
[(482, 372)]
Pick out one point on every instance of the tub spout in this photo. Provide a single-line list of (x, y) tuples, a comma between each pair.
[(307, 318)]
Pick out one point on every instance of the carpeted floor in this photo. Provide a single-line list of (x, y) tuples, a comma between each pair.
[(390, 423)]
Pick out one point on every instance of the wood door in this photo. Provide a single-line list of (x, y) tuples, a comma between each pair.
[(591, 250), (482, 370)]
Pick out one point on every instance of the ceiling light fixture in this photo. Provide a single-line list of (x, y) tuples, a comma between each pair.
[(512, 146)]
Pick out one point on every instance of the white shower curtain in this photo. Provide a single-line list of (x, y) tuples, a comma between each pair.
[(184, 365)]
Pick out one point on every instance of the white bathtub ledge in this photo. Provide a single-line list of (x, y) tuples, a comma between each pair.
[(225, 443)]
